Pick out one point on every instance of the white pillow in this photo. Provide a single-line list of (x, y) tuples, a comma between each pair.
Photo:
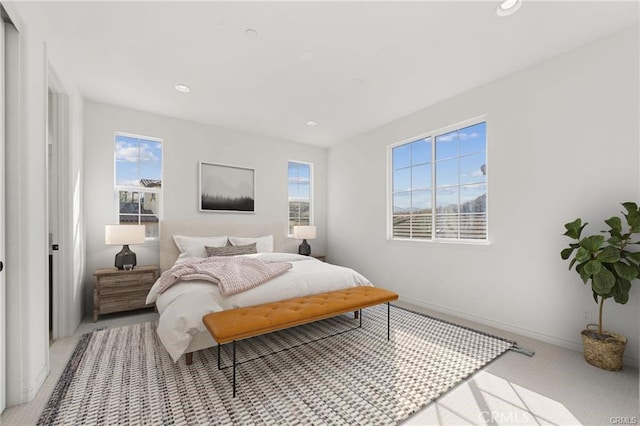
[(194, 246), (263, 244)]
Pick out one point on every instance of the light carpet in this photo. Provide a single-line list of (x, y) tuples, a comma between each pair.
[(124, 375)]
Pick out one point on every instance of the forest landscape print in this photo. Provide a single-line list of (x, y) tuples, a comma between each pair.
[(226, 188)]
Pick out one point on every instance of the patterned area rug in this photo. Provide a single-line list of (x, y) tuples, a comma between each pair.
[(124, 375)]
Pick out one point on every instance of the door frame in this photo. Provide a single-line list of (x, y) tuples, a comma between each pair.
[(3, 296), (11, 384), (60, 120)]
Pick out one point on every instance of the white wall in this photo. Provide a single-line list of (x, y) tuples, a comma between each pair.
[(27, 227), (185, 144), (563, 142)]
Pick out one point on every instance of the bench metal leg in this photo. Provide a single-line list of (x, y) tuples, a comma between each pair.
[(234, 368), (388, 320), (234, 344)]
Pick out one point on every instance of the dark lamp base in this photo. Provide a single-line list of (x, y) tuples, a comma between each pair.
[(304, 248), (125, 257)]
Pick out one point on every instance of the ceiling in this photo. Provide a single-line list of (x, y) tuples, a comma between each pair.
[(349, 66)]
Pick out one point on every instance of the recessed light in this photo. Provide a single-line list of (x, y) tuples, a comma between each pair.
[(250, 32), (508, 7), (183, 88), (312, 123)]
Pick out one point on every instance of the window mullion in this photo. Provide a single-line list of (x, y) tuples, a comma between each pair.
[(139, 198), (433, 188), (139, 184), (139, 162), (412, 208), (457, 159)]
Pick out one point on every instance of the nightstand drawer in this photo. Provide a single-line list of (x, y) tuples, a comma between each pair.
[(117, 282), (128, 278), (123, 301), (125, 288)]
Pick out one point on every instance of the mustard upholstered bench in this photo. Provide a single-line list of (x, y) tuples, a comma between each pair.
[(242, 323)]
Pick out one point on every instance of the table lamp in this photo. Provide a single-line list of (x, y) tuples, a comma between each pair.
[(304, 233), (124, 235)]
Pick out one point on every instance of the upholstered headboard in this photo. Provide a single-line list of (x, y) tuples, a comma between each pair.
[(169, 251)]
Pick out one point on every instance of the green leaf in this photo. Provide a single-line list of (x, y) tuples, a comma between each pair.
[(585, 277), (609, 255), (624, 271), (574, 260), (632, 215), (603, 282), (592, 243), (621, 291), (634, 265), (574, 229), (595, 296), (566, 253), (592, 267), (615, 224), (624, 284), (615, 241), (635, 256), (582, 254)]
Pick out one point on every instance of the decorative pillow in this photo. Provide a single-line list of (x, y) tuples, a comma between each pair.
[(263, 244), (194, 246), (231, 250)]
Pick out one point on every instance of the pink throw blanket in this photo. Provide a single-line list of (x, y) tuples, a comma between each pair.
[(231, 274)]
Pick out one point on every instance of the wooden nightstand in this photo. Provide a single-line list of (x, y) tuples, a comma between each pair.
[(116, 291), (320, 257)]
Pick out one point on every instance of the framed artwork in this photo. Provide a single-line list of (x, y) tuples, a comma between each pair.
[(227, 188)]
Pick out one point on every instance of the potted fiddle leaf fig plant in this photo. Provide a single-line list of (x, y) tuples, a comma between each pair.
[(610, 267)]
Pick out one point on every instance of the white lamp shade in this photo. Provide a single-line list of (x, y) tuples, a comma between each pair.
[(119, 235), (304, 232)]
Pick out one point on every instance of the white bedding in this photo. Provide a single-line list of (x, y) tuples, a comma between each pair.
[(183, 305)]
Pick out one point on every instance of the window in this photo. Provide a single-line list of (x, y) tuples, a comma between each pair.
[(447, 170), (300, 194), (138, 181)]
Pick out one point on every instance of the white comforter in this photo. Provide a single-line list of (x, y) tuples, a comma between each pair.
[(183, 305)]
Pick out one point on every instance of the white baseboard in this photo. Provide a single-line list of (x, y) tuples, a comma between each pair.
[(29, 393), (554, 340)]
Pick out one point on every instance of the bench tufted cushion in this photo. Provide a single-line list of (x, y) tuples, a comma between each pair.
[(241, 323)]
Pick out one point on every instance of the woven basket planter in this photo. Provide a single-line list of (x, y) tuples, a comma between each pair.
[(604, 351)]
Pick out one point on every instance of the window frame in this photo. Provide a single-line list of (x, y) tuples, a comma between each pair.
[(117, 188), (311, 194), (432, 135)]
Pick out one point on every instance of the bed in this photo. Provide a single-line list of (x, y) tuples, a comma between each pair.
[(182, 306)]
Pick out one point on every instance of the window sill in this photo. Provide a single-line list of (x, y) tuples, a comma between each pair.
[(151, 242), (443, 242)]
